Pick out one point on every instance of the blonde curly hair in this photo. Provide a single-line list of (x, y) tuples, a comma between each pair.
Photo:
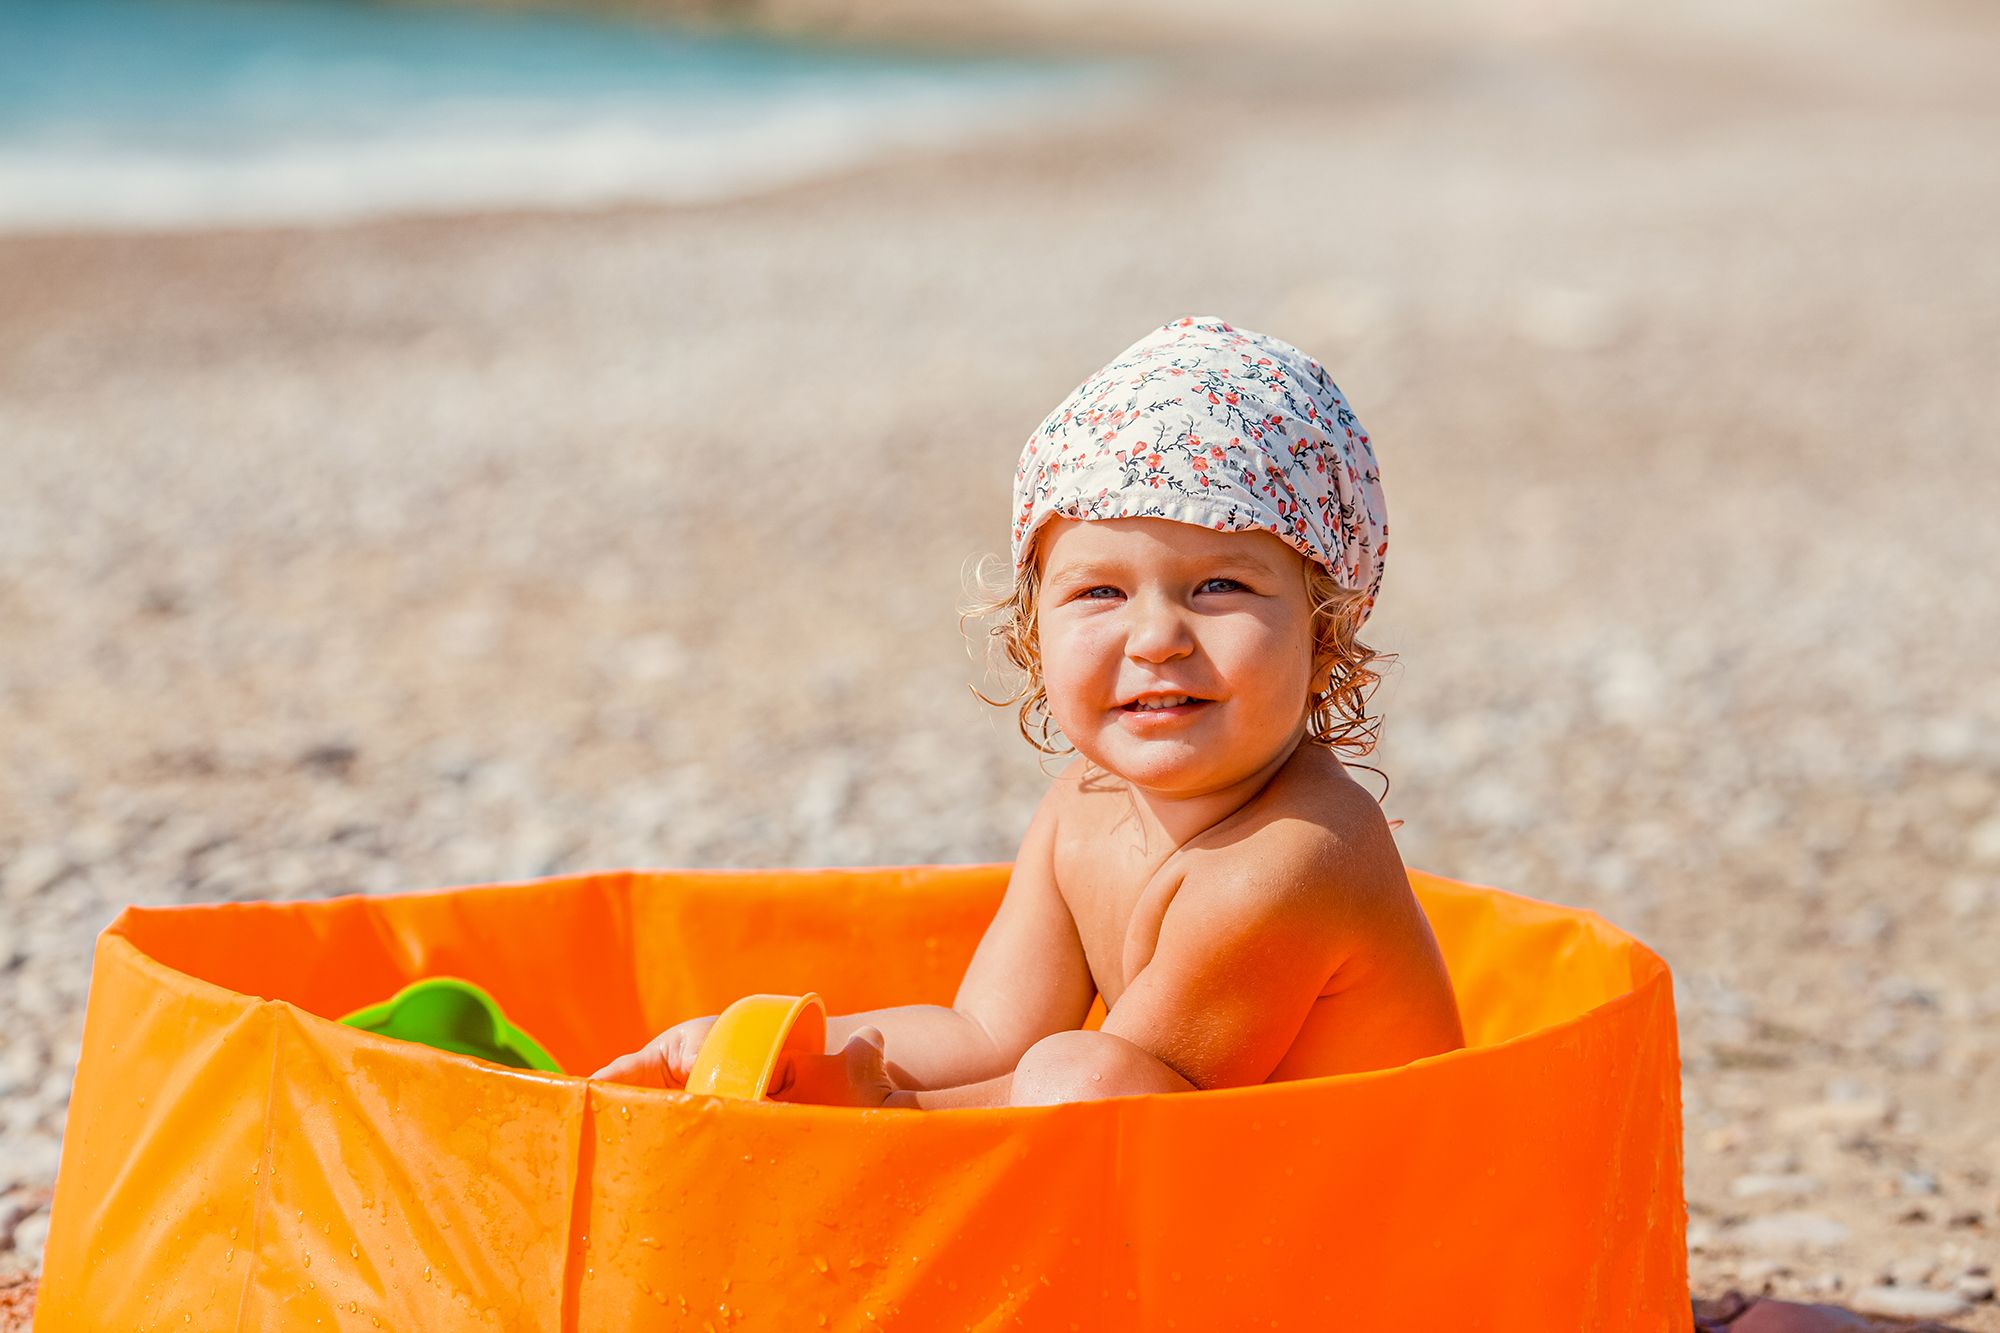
[(1345, 667)]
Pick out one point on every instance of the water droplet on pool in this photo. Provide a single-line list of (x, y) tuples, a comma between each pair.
[(427, 1272), (624, 1113), (309, 1261), (354, 1250), (819, 1262)]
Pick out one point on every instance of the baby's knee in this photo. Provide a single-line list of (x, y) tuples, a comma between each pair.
[(1073, 1067)]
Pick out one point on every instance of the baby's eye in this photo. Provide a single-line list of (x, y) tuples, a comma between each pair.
[(1092, 592), (1230, 584)]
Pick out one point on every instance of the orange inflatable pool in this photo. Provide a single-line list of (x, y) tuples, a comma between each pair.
[(237, 1160)]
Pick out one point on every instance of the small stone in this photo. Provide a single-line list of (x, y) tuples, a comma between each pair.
[(1867, 927), (14, 1206), (1910, 1272), (31, 1237), (1760, 1272), (34, 869), (1860, 1112), (1917, 1183), (1982, 845), (1756, 1185), (1967, 897), (1791, 1231), (1974, 1287), (1909, 1302)]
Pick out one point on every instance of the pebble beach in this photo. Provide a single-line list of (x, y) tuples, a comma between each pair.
[(406, 553)]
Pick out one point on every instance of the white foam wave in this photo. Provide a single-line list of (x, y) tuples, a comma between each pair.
[(449, 163)]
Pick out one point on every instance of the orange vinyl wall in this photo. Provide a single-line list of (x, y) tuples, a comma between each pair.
[(236, 1160)]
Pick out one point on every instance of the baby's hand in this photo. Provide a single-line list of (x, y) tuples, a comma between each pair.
[(856, 1075), (665, 1061)]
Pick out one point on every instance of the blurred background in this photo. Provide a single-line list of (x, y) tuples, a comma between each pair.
[(453, 443)]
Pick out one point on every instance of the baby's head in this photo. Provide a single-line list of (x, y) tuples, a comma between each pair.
[(1202, 517)]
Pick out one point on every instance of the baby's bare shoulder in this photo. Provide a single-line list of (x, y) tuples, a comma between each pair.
[(1313, 835)]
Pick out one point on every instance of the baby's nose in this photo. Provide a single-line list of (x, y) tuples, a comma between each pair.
[(1157, 631)]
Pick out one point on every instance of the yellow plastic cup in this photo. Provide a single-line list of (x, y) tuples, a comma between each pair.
[(743, 1048)]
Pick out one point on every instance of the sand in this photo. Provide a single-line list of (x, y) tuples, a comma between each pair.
[(416, 553)]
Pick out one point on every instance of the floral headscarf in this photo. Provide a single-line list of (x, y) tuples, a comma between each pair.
[(1203, 423)]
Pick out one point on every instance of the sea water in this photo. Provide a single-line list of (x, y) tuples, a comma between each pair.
[(178, 113)]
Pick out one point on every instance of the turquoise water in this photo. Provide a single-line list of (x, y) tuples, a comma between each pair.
[(183, 112)]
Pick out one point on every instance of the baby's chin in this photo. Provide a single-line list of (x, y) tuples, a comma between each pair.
[(1171, 768)]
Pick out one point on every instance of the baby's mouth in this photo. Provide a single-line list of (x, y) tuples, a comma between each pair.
[(1162, 703)]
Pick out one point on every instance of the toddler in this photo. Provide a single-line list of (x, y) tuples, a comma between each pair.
[(1198, 536)]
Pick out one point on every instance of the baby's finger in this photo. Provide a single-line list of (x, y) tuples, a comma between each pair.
[(863, 1053), (680, 1058), (646, 1067)]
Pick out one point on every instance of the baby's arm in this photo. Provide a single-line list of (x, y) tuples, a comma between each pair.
[(1027, 979), (1248, 944)]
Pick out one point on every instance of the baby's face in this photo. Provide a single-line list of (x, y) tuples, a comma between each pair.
[(1140, 608)]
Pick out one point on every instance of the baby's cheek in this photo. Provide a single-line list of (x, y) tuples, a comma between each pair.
[(1070, 661)]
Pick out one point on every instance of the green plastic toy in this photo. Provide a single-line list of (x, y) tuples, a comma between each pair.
[(452, 1014)]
